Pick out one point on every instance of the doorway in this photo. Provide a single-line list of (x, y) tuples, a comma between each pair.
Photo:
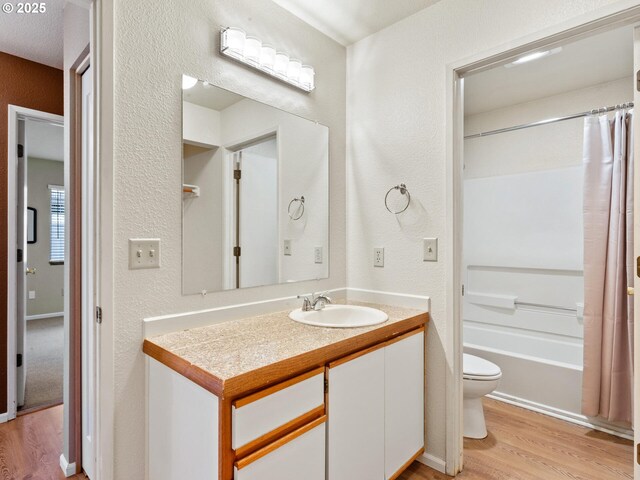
[(40, 316), (461, 271)]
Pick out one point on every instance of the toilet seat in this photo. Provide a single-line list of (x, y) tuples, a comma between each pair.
[(476, 368)]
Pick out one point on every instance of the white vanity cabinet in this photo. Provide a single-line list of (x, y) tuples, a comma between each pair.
[(376, 410), (349, 409)]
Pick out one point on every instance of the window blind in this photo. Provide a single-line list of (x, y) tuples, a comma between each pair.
[(56, 235)]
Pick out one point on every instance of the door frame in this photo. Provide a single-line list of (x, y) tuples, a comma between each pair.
[(16, 114), (626, 12)]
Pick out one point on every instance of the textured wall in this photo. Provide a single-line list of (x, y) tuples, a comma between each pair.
[(153, 48), (48, 282), (30, 85), (396, 133)]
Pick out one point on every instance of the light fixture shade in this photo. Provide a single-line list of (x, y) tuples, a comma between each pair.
[(233, 39), (293, 70), (252, 49), (188, 82), (267, 57), (281, 64), (307, 77)]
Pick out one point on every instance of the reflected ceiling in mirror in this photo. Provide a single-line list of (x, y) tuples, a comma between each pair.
[(255, 193)]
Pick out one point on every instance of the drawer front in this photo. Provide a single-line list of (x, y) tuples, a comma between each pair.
[(300, 456), (261, 413)]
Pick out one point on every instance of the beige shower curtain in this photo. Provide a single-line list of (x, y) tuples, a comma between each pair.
[(607, 385)]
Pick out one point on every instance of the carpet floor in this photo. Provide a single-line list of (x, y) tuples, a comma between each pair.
[(45, 345)]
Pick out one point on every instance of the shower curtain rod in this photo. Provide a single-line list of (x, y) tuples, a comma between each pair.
[(551, 120)]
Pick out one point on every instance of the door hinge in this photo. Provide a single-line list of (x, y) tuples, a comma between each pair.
[(637, 266), (20, 151), (638, 453), (98, 314), (237, 251), (463, 289), (326, 385), (19, 360), (20, 256), (237, 174), (638, 80)]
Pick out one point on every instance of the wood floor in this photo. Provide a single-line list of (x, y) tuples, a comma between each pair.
[(524, 445), (30, 446)]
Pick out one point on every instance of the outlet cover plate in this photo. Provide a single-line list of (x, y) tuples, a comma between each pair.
[(287, 247), (430, 249), (144, 253), (378, 257), (317, 254)]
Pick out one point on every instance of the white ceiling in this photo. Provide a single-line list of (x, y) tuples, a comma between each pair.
[(210, 96), (347, 21), (591, 61), (45, 140), (34, 36)]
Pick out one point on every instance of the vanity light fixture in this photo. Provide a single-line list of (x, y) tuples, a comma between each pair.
[(249, 50), (529, 57)]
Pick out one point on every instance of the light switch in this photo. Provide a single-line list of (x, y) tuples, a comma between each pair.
[(430, 247), (317, 254), (287, 247), (144, 253), (32, 294)]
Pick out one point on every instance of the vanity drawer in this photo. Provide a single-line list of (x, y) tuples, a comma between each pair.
[(299, 455), (283, 407)]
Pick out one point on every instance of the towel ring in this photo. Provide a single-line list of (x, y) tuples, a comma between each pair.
[(301, 200), (404, 191)]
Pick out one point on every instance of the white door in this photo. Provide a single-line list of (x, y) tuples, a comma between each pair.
[(355, 443), (88, 281), (259, 214), (636, 252), (21, 243)]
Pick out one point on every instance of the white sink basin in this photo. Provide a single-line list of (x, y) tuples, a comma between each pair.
[(340, 316)]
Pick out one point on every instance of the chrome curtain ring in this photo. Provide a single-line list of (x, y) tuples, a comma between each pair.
[(301, 200), (403, 191)]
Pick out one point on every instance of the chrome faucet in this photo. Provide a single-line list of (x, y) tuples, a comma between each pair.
[(316, 302)]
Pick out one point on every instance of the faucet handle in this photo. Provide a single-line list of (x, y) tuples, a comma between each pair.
[(306, 303)]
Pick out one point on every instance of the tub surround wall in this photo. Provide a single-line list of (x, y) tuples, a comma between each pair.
[(397, 90)]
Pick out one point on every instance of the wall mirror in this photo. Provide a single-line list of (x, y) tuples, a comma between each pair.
[(255, 193)]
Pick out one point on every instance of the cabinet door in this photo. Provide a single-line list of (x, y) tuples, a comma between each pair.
[(404, 402), (298, 456), (356, 418)]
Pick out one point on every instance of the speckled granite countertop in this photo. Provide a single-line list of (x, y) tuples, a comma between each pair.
[(234, 357)]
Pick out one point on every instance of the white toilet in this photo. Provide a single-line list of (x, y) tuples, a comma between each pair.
[(480, 378)]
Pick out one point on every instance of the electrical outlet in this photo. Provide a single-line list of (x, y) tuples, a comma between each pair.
[(32, 294), (317, 254), (378, 257), (144, 253), (287, 247), (430, 250)]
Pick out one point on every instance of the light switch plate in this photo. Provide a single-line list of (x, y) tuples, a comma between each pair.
[(32, 294), (287, 247), (430, 249), (317, 254), (378, 257), (144, 253)]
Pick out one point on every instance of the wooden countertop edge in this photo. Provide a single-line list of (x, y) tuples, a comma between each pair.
[(262, 377)]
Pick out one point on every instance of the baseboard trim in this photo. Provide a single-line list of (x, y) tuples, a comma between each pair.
[(4, 417), (564, 415), (68, 469), (432, 461), (40, 316)]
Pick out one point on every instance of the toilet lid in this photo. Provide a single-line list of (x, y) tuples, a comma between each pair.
[(478, 367)]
